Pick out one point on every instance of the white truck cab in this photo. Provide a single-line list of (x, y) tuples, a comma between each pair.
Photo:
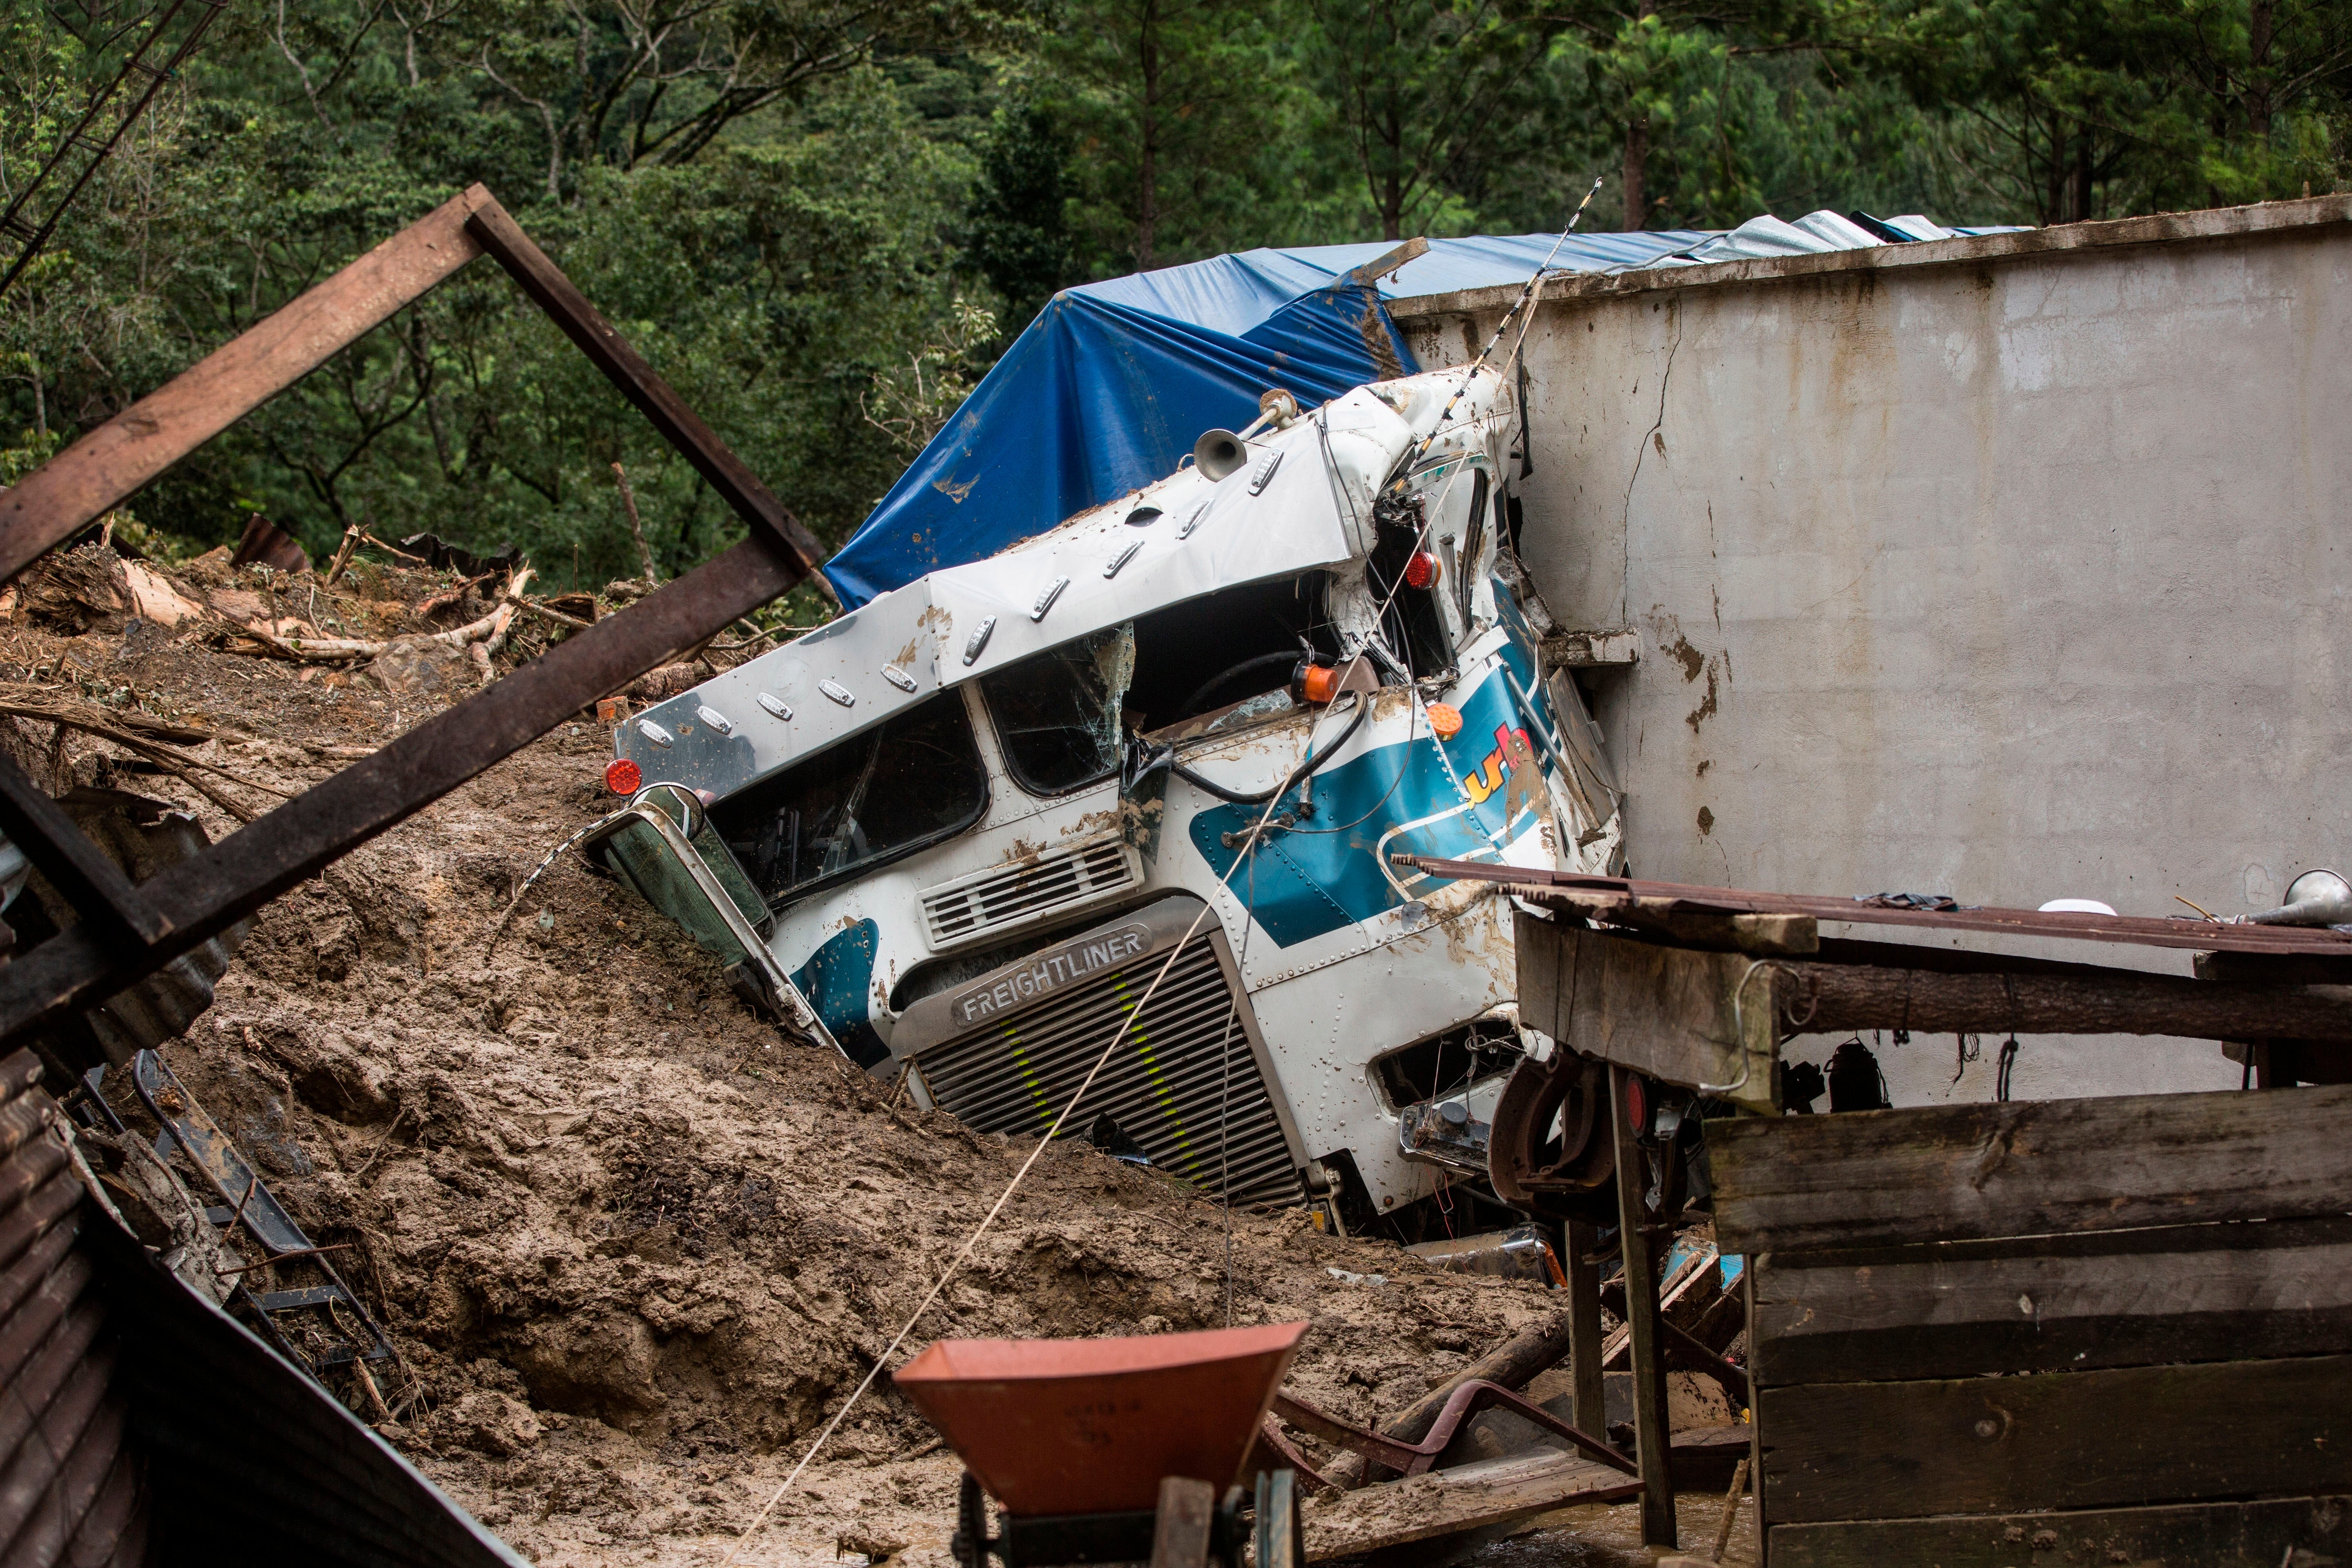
[(958, 831)]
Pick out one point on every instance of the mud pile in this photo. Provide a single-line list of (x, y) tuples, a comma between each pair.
[(631, 1247)]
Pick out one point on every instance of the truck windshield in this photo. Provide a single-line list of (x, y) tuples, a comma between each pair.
[(903, 784), (1059, 714)]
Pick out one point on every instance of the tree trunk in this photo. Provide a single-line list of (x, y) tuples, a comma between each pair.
[(2260, 29), (2083, 177), (1147, 203), (1637, 159)]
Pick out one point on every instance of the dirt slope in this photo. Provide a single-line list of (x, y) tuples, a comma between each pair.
[(632, 1248)]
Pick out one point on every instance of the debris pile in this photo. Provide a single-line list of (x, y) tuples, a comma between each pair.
[(629, 1245)]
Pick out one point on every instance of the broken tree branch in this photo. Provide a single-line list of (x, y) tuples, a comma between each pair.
[(328, 650), (451, 594)]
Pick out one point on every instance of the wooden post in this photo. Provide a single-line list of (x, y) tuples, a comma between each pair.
[(1652, 1437), (1583, 1272), (1179, 1534)]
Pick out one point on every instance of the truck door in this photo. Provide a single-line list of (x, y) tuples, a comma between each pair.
[(662, 845)]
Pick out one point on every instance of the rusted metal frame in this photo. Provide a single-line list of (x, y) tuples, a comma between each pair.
[(131, 449), (1414, 1458), (498, 235), (198, 897), (1287, 1453), (2138, 930), (214, 888), (77, 868), (1581, 1238)]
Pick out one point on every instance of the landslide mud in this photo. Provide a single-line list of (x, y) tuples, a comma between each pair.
[(632, 1248)]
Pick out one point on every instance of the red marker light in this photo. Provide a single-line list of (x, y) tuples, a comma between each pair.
[(1420, 570), (622, 777)]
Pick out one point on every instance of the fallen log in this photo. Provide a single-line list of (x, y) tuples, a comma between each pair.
[(1834, 998), (1542, 1344)]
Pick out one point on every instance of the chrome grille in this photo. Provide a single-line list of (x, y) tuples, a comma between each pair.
[(1004, 896), (1164, 1083)]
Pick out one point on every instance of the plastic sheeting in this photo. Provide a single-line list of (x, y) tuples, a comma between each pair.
[(1811, 234), (1110, 387)]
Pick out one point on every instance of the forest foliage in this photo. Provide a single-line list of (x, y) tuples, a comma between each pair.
[(820, 219)]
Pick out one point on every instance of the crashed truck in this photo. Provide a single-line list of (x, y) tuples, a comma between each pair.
[(956, 832)]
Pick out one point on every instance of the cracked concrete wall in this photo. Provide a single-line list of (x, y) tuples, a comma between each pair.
[(2015, 579)]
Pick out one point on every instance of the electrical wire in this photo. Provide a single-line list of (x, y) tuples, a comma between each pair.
[(1534, 281)]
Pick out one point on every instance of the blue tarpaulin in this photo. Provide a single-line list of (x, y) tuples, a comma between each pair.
[(1109, 388)]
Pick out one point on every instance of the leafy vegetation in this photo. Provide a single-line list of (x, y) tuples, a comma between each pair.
[(821, 218)]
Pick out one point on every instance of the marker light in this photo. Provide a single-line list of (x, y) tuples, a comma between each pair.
[(1444, 719), (1420, 570), (622, 777), (1318, 683)]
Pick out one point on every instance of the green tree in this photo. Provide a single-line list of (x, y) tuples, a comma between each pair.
[(1019, 237), (1431, 97), (1179, 112)]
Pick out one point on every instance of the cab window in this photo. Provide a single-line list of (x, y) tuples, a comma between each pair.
[(910, 780), (1058, 714)]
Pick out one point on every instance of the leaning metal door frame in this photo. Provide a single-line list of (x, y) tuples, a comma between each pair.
[(125, 932)]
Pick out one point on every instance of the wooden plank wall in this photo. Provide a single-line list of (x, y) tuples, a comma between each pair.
[(2110, 1331)]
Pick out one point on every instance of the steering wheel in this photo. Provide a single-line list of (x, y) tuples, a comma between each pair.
[(1217, 682)]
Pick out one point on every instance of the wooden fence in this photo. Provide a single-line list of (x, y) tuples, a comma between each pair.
[(2072, 1332)]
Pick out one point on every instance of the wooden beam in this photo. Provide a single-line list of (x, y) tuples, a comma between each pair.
[(1180, 1529), (1583, 1272), (2121, 1436), (1467, 1497), (123, 456), (1837, 998), (2309, 1529), (1652, 1434), (1957, 1173), (1677, 1345), (1686, 1018), (1674, 920), (2133, 1297), (1388, 261)]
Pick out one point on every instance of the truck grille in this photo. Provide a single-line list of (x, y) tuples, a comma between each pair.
[(1003, 897), (1163, 1083)]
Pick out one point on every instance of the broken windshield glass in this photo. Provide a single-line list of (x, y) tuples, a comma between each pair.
[(1059, 714), (906, 783)]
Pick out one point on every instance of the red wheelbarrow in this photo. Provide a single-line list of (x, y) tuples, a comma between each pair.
[(1113, 1450)]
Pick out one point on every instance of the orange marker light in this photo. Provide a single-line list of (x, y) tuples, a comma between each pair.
[(1319, 683), (1446, 720), (622, 777)]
